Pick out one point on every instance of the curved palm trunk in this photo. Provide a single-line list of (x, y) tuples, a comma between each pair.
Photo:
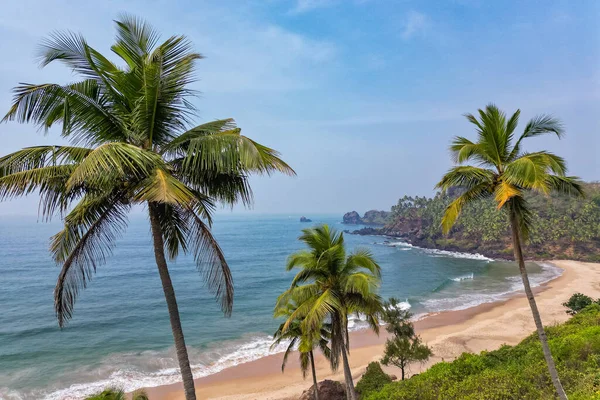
[(163, 270), (350, 392), (534, 310), (314, 374)]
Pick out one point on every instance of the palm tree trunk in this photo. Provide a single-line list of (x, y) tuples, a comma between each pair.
[(163, 270), (350, 392), (314, 374), (534, 310)]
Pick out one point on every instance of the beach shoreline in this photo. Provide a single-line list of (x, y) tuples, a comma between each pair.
[(449, 333)]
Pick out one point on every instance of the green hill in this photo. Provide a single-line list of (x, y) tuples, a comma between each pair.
[(564, 227), (518, 372)]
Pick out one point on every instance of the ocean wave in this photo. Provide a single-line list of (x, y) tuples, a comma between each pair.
[(467, 277), (226, 355), (440, 253), (359, 321), (468, 300)]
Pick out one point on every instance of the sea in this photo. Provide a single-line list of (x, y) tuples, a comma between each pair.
[(120, 334)]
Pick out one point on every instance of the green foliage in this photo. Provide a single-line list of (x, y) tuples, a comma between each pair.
[(561, 226), (329, 286), (374, 379), (515, 372), (405, 346), (578, 302), (132, 142), (117, 394)]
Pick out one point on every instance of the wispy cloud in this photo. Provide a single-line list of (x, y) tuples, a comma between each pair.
[(303, 6), (415, 23)]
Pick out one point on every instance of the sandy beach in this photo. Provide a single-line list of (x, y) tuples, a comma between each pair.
[(485, 327)]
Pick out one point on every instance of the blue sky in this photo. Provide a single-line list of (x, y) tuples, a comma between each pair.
[(360, 96)]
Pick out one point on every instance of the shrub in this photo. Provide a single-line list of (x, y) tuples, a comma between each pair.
[(373, 379), (118, 394), (577, 302)]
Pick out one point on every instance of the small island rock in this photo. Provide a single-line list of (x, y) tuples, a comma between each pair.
[(352, 218), (304, 219)]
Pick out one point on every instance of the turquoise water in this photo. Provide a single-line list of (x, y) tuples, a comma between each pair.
[(120, 334)]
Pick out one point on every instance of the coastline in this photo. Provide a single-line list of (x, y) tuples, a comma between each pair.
[(449, 333)]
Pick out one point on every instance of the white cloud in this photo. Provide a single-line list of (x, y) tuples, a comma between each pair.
[(303, 6), (415, 23)]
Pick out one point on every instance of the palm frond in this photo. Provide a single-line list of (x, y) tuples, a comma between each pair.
[(162, 187), (362, 259), (530, 170), (210, 260), (86, 240), (135, 39), (453, 210), (78, 106), (539, 125), (569, 185), (504, 191), (115, 158), (466, 176)]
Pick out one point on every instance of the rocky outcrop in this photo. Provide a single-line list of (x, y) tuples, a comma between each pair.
[(352, 218), (376, 217), (304, 219), (328, 390), (371, 217)]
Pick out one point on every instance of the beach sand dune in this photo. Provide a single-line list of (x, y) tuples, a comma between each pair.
[(485, 327)]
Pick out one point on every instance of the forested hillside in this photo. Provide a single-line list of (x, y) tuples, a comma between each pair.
[(563, 227)]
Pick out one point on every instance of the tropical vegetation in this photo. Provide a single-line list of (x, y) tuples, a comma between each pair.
[(303, 340), (505, 172), (405, 346), (373, 380), (515, 372), (578, 302), (330, 286), (132, 141), (118, 394)]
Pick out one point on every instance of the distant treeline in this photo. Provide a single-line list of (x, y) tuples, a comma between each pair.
[(563, 227)]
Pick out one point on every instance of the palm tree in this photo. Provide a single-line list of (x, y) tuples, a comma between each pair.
[(132, 142), (305, 341), (329, 287), (507, 173)]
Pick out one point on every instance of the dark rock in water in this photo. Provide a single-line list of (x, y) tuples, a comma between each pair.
[(367, 231), (304, 219), (328, 390), (352, 218)]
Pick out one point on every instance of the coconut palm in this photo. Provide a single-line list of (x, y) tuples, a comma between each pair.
[(306, 342), (132, 142), (329, 287), (506, 173)]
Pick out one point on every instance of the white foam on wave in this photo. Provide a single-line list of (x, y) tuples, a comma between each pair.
[(467, 277), (359, 321), (130, 379), (440, 253), (456, 254), (468, 300)]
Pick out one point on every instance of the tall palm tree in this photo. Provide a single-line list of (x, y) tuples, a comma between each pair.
[(305, 341), (329, 287), (132, 142), (507, 173)]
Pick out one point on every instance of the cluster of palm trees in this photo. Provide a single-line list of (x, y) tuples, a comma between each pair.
[(329, 287), (132, 142)]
